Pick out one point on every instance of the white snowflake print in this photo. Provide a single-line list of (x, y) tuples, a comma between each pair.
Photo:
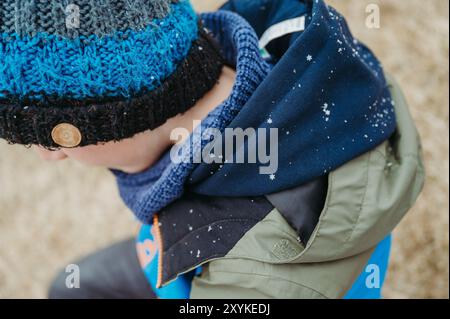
[(326, 111)]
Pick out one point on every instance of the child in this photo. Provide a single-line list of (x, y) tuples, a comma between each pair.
[(116, 90)]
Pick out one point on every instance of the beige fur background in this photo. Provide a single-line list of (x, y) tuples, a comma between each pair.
[(52, 213)]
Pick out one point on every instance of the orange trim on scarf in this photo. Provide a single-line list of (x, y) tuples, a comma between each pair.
[(160, 248)]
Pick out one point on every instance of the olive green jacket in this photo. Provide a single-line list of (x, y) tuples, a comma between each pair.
[(366, 200)]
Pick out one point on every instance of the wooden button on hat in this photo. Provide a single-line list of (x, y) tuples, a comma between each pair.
[(66, 135)]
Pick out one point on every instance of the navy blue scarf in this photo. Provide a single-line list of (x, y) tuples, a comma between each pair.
[(327, 95)]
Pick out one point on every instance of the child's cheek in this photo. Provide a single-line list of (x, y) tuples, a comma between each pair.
[(47, 155), (91, 155)]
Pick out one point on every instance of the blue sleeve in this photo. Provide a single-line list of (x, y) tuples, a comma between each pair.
[(369, 284), (148, 256)]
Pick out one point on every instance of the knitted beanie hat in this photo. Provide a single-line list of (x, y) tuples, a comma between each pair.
[(81, 72)]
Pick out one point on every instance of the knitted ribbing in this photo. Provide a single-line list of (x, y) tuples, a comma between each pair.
[(71, 19)]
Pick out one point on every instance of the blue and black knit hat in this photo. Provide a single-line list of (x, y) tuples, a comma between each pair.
[(81, 72)]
